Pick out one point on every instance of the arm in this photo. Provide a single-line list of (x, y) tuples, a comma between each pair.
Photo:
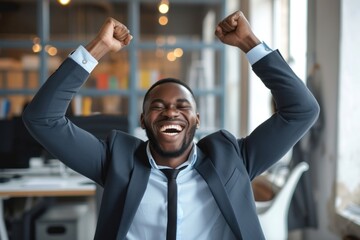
[(45, 115), (297, 108)]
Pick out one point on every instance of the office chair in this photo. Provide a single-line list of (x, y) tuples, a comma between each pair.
[(273, 214)]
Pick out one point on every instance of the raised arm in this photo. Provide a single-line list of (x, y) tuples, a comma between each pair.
[(45, 115), (297, 108)]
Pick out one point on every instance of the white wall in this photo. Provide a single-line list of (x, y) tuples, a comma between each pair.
[(259, 96), (349, 110), (323, 48), (348, 170)]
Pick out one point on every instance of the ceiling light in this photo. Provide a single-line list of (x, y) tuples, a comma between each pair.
[(171, 57), (178, 52), (163, 20), (36, 48), (163, 6), (64, 2), (52, 51)]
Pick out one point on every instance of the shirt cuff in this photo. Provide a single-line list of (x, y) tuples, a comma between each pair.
[(258, 52), (84, 59)]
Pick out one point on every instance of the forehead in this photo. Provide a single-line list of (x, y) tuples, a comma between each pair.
[(170, 91)]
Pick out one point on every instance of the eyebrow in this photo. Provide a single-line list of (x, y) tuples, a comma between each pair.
[(180, 100)]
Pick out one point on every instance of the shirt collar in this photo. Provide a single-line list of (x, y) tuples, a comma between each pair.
[(189, 162)]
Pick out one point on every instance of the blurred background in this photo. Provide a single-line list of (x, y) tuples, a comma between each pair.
[(175, 38)]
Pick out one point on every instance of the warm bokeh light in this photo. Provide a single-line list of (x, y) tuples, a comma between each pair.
[(163, 20), (171, 57), (52, 51), (178, 52), (64, 2), (36, 48), (163, 8)]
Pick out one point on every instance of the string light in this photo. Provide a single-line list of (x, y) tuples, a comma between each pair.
[(178, 52), (52, 51), (171, 57), (163, 6), (64, 2), (36, 48), (163, 20)]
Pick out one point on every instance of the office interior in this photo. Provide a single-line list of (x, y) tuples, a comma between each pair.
[(318, 38)]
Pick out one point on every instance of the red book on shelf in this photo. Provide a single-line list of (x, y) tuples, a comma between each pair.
[(102, 81)]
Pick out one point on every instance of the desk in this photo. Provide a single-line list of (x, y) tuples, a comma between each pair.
[(43, 186)]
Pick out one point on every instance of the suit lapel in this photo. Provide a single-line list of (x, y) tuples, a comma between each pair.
[(139, 180), (136, 189), (207, 170)]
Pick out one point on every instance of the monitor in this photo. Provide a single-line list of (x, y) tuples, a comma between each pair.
[(17, 146)]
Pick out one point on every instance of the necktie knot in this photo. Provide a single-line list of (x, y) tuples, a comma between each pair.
[(171, 173)]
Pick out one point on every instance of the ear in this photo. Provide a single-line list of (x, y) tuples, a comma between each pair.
[(142, 123)]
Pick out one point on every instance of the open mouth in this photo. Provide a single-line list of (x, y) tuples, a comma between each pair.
[(171, 130)]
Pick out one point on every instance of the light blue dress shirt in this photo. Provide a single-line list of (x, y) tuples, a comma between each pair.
[(199, 216)]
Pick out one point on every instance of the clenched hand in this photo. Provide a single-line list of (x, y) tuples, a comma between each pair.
[(235, 30)]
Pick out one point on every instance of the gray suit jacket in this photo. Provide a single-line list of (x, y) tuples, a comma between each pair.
[(120, 164)]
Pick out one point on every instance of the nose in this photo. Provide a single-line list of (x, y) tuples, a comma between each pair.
[(171, 112)]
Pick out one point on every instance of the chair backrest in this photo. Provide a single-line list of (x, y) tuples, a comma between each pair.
[(273, 215)]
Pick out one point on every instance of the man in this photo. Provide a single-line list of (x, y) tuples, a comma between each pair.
[(215, 197)]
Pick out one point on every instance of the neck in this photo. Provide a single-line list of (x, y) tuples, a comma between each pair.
[(172, 162)]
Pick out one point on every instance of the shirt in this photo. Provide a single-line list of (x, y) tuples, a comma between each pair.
[(198, 214)]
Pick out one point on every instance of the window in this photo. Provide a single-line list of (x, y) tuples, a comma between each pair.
[(184, 48), (282, 25), (348, 162)]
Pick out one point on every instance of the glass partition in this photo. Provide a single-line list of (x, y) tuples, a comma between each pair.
[(81, 20), (183, 47)]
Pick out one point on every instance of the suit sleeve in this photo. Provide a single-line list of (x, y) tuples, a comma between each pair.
[(297, 110), (45, 119)]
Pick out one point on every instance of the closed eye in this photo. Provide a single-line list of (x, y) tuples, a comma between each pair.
[(157, 107), (184, 104), (184, 107)]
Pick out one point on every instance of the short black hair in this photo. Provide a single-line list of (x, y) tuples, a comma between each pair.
[(166, 80)]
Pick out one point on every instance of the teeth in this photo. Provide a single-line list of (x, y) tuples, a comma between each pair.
[(172, 127), (170, 134)]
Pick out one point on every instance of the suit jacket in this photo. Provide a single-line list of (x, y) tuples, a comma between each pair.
[(120, 164)]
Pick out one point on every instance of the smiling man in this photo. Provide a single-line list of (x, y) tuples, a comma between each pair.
[(215, 199), (170, 120)]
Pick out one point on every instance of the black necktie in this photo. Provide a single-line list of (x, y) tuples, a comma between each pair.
[(171, 175)]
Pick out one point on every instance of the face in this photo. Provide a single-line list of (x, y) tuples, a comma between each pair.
[(170, 119)]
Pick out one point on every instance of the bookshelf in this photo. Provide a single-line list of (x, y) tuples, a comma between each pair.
[(119, 82)]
